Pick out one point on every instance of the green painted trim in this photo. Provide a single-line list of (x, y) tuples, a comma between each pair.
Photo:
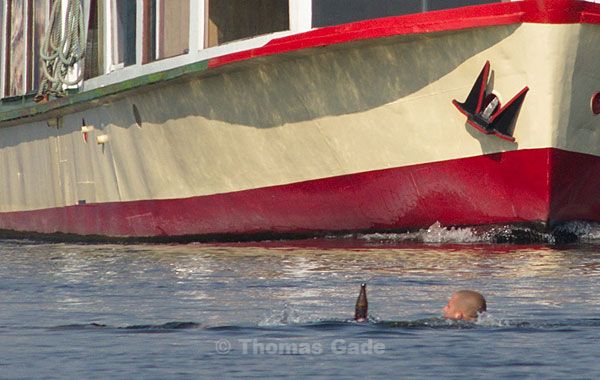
[(24, 110)]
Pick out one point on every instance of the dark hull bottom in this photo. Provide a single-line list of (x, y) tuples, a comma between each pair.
[(542, 187)]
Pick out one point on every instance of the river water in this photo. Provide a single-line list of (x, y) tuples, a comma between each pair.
[(284, 309)]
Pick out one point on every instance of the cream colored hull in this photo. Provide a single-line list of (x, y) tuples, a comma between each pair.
[(339, 111)]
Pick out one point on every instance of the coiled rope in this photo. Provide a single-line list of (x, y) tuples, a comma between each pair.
[(61, 51)]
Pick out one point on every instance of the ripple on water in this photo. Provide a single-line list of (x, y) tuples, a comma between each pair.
[(116, 308)]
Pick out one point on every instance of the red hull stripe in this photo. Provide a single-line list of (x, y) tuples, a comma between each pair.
[(551, 11), (519, 186), (575, 185)]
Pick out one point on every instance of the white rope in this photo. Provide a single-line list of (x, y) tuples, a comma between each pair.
[(61, 51)]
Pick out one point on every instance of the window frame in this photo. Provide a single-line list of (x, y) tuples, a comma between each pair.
[(208, 44), (299, 20), (112, 38)]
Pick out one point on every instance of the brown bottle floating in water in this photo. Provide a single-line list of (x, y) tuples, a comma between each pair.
[(362, 306)]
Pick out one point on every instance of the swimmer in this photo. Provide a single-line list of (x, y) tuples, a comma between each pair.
[(465, 305), (362, 306)]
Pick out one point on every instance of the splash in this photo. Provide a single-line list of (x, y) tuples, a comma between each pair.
[(435, 234), (287, 316), (523, 235), (488, 320), (572, 232), (585, 231)]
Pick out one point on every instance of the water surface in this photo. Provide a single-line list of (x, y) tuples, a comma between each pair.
[(285, 309)]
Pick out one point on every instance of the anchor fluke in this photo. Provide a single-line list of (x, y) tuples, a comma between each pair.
[(474, 101), (483, 111)]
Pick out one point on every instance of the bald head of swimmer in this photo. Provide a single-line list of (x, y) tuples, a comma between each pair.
[(465, 305)]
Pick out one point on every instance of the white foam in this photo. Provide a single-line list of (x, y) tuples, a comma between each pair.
[(436, 233), (287, 316), (586, 231), (487, 320)]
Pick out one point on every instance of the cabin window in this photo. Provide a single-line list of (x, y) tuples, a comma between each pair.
[(434, 5), (166, 28), (173, 28), (232, 20), (25, 30), (41, 9), (334, 12), (16, 49), (123, 15), (2, 34), (93, 49)]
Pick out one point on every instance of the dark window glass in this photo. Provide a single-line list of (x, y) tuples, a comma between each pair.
[(333, 12), (236, 19), (93, 56), (446, 4), (124, 15)]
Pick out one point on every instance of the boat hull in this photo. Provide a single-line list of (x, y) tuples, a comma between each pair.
[(352, 136), (524, 186)]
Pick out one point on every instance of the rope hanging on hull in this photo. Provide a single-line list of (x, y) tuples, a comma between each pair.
[(61, 51)]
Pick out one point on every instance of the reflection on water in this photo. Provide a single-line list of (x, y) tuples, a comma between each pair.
[(109, 308)]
